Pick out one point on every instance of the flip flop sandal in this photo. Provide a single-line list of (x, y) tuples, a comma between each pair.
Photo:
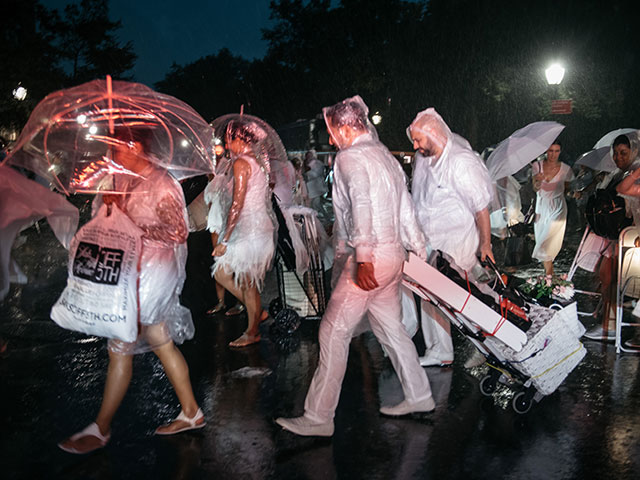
[(237, 310), (192, 423), (244, 340), (217, 309), (91, 430)]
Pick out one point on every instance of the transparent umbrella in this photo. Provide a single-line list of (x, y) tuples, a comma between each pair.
[(70, 135), (265, 142), (522, 147), (608, 139), (598, 159)]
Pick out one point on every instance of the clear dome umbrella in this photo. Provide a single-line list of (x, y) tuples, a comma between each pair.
[(70, 135)]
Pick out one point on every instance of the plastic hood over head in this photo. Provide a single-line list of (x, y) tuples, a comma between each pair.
[(634, 145), (353, 113), (430, 124)]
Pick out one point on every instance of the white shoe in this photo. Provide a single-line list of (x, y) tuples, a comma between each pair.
[(405, 408), (475, 360), (305, 427), (432, 359), (600, 334)]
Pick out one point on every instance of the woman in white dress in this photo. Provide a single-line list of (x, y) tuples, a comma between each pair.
[(247, 239), (550, 178)]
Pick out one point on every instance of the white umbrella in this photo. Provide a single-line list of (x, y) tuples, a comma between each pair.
[(522, 147), (608, 139), (598, 159)]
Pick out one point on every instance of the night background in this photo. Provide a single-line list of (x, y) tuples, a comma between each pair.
[(480, 63)]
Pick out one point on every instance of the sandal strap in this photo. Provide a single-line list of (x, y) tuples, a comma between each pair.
[(92, 430), (191, 421)]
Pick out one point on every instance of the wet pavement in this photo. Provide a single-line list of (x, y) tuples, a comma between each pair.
[(51, 383)]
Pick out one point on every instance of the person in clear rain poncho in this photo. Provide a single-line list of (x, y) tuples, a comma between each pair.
[(452, 191), (374, 226), (246, 231), (154, 201)]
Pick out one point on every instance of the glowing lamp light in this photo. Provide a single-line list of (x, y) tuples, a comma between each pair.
[(554, 74), (376, 118), (93, 129), (184, 143), (20, 93), (81, 119)]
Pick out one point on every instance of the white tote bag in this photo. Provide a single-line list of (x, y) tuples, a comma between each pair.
[(101, 293)]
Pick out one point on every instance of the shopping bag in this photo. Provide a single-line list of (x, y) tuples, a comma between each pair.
[(101, 293)]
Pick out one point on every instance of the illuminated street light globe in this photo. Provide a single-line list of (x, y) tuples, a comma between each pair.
[(20, 93), (554, 74), (376, 118)]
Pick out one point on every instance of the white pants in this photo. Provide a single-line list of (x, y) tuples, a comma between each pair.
[(436, 330), (348, 304)]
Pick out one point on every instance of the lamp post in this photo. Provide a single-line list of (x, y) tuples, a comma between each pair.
[(554, 74), (19, 93)]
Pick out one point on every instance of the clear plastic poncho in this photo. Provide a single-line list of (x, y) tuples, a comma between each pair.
[(22, 202), (156, 204), (449, 189), (351, 112), (371, 203)]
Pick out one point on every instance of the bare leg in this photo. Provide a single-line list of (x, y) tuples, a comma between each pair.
[(118, 378), (607, 288), (177, 371), (220, 292), (250, 297), (548, 267)]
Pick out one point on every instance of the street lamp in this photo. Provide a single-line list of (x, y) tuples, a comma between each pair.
[(376, 118), (20, 93), (554, 74)]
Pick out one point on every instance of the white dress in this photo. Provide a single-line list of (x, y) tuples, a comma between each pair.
[(551, 213), (251, 246)]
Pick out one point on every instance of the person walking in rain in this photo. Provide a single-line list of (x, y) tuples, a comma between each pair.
[(451, 190), (155, 202), (375, 223)]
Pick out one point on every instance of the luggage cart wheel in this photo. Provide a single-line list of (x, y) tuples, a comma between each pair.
[(522, 402), (275, 307), (488, 384), (288, 320)]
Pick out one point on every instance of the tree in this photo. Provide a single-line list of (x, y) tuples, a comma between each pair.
[(213, 85), (88, 42), (28, 58)]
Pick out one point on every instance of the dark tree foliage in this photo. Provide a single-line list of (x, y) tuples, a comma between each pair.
[(88, 42), (44, 51), (28, 58), (479, 62), (214, 85)]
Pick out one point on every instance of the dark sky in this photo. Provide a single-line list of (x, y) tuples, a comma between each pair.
[(164, 31)]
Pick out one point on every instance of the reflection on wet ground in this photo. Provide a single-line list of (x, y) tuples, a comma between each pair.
[(51, 382)]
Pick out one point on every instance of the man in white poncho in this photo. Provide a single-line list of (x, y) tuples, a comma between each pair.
[(375, 223), (451, 190)]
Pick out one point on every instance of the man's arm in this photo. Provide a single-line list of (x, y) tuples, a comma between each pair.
[(484, 231)]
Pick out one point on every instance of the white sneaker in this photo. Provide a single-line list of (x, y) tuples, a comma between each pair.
[(475, 360), (432, 359), (600, 334), (405, 408), (305, 427)]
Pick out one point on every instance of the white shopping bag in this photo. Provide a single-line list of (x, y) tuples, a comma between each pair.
[(101, 293)]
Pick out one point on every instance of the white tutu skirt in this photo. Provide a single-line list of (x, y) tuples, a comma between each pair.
[(248, 258)]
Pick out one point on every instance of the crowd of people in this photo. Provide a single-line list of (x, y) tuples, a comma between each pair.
[(378, 219)]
